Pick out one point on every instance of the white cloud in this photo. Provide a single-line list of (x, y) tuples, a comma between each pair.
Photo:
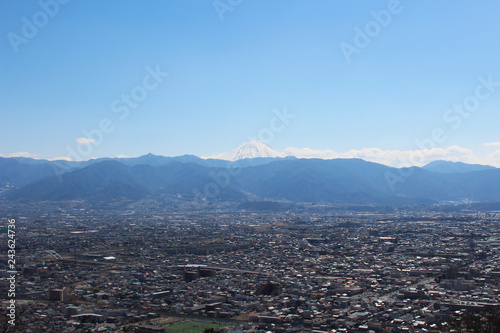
[(492, 144), (495, 154), (61, 158), (311, 153), (22, 154), (122, 156), (395, 158), (85, 141), (494, 158)]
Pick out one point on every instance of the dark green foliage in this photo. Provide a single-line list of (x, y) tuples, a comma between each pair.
[(487, 322)]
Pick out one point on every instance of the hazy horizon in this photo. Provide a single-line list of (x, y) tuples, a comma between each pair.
[(384, 81)]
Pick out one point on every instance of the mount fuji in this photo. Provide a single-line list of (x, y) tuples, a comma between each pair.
[(263, 174), (251, 149)]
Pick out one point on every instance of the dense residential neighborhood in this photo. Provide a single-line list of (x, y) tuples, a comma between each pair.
[(81, 269)]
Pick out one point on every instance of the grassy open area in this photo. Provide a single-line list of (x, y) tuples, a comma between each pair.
[(191, 327)]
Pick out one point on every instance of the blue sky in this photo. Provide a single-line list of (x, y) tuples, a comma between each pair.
[(232, 64)]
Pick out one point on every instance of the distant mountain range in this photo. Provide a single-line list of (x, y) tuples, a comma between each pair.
[(459, 167), (259, 178)]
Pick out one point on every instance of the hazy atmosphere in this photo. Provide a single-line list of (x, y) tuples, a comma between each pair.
[(249, 166), (377, 80)]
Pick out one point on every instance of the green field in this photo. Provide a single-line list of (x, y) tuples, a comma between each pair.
[(192, 327)]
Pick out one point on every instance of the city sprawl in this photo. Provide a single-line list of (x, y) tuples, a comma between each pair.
[(321, 269)]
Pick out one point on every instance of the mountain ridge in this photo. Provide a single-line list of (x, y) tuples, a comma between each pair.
[(252, 171), (336, 181), (442, 166)]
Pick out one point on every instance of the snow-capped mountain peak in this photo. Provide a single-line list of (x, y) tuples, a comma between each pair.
[(251, 149)]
